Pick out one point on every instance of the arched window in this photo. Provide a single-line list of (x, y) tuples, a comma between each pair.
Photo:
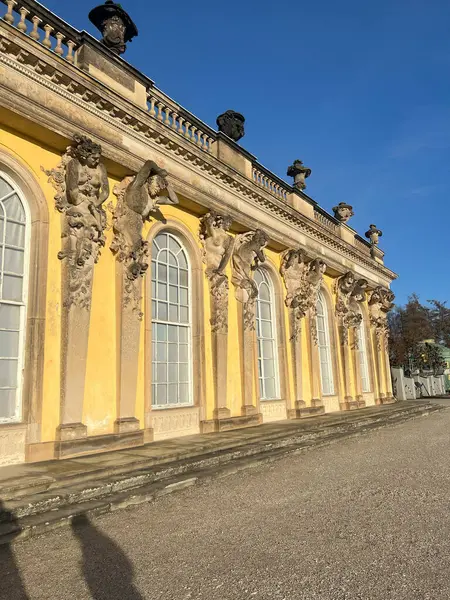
[(14, 234), (171, 323), (362, 351), (269, 383), (323, 336)]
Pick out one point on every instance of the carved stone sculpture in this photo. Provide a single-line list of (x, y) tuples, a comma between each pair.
[(137, 198), (343, 212), (380, 303), (82, 187), (303, 281), (248, 253), (115, 24), (217, 248), (299, 172), (231, 123), (373, 234), (349, 294)]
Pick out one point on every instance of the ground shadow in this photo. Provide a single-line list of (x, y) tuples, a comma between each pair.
[(107, 570), (11, 584)]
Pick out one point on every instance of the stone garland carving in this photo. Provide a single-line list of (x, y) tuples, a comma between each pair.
[(137, 198), (380, 303), (248, 253), (217, 246), (302, 281), (349, 295), (82, 187)]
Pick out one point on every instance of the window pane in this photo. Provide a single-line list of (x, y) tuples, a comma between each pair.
[(184, 334), (7, 403), (174, 245), (184, 373), (12, 288), (8, 373), (161, 352), (173, 313), (265, 311), (269, 385), (173, 275), (268, 349), (184, 315), (269, 368), (5, 188), (161, 332), (14, 209), (15, 234), (162, 311), (161, 373), (173, 373), (266, 329), (9, 344), (184, 352), (173, 293), (173, 333), (162, 291), (161, 394), (183, 296), (184, 393), (162, 272), (173, 393), (9, 316), (184, 280), (173, 353)]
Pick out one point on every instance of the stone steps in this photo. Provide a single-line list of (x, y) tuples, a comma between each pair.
[(43, 505)]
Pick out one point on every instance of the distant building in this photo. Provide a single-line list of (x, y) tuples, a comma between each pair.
[(155, 279)]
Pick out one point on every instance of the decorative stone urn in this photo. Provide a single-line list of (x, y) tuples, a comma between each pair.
[(299, 172), (231, 123), (373, 234), (343, 212), (115, 24)]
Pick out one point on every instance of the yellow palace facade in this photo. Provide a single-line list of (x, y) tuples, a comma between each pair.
[(156, 281)]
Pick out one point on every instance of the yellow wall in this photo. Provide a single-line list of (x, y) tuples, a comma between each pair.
[(100, 409)]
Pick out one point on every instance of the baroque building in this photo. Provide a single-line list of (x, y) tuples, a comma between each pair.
[(156, 280)]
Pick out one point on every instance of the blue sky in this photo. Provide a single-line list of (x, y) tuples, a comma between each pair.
[(360, 91)]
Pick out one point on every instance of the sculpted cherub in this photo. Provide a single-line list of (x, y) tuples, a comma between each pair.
[(86, 189), (217, 243), (138, 197), (248, 253)]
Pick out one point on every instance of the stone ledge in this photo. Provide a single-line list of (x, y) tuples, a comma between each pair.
[(44, 497)]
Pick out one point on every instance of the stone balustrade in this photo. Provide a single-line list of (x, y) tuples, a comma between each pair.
[(167, 112), (43, 26), (264, 180), (362, 245), (326, 220)]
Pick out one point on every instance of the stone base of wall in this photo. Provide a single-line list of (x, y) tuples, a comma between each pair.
[(12, 444), (175, 422), (273, 410), (216, 425), (99, 443)]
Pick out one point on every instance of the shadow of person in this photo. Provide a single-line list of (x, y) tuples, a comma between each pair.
[(107, 570), (11, 581)]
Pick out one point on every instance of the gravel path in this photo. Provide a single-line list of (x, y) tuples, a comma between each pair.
[(365, 518)]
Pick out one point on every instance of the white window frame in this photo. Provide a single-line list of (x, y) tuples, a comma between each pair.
[(322, 301), (267, 279), (363, 362), (157, 321), (18, 415)]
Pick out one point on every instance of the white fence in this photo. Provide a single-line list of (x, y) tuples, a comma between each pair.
[(417, 386)]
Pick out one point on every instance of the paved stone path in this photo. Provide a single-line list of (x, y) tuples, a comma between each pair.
[(365, 518)]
